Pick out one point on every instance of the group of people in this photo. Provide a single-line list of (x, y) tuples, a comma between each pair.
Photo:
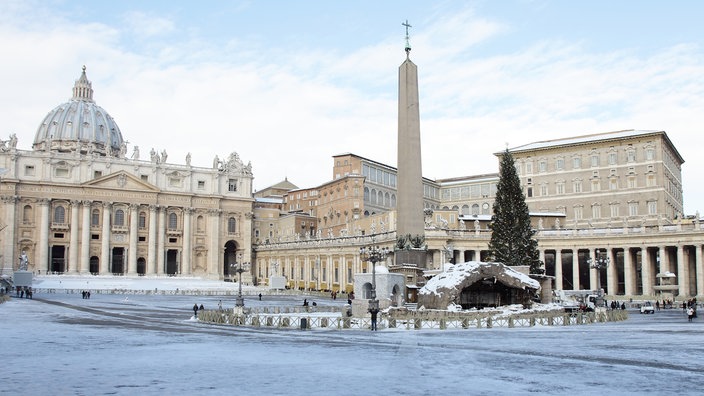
[(690, 307), (24, 292), (196, 308)]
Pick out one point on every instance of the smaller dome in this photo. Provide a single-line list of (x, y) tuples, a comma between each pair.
[(80, 125)]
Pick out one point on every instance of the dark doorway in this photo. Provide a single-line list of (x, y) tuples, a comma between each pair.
[(230, 258), (172, 262), (141, 266), (118, 260), (58, 259), (94, 265)]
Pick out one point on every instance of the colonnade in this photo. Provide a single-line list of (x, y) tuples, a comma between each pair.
[(151, 246)]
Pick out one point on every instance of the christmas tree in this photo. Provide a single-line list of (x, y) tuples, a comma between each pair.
[(512, 241)]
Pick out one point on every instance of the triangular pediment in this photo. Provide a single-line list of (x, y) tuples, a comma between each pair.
[(123, 181)]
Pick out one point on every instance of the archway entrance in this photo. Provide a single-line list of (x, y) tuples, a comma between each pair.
[(58, 259), (118, 260), (94, 265), (230, 258), (141, 266), (488, 292)]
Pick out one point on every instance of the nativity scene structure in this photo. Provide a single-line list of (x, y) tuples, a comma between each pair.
[(478, 285)]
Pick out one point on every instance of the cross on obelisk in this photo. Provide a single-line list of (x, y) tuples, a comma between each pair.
[(408, 40)]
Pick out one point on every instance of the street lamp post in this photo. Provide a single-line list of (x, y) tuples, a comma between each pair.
[(375, 255), (598, 263), (239, 267)]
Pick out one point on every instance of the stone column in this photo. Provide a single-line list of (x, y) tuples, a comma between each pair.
[(611, 273), (646, 273), (575, 270), (161, 239), (105, 239), (664, 259), (699, 268), (151, 253), (594, 281), (187, 254), (73, 243), (132, 254), (477, 255), (84, 260), (628, 272), (541, 255), (682, 273), (43, 249), (10, 254), (558, 269), (214, 256)]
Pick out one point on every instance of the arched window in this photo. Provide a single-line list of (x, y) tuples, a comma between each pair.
[(173, 221), (393, 200), (142, 220), (366, 194), (95, 218), (59, 215), (475, 209), (380, 198), (119, 217), (200, 224), (387, 200), (231, 225), (373, 197), (465, 209)]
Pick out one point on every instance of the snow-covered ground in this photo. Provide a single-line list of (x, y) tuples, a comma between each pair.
[(61, 344)]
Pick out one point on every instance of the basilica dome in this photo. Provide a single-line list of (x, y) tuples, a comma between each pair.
[(80, 125)]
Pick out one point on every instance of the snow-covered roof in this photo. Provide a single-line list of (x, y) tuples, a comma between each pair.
[(583, 139), (456, 275)]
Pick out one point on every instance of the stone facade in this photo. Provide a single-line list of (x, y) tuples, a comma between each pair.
[(77, 204)]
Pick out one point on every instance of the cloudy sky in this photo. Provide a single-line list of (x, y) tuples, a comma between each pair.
[(289, 84)]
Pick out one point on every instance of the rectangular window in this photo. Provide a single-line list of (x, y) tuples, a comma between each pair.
[(632, 155), (29, 170), (576, 162), (632, 182), (95, 237), (612, 158), (97, 174), (144, 178), (652, 207), (613, 184), (650, 180), (201, 184), (578, 215), (560, 164), (529, 168), (560, 187), (577, 186), (633, 209), (614, 211), (595, 160), (596, 212), (174, 182), (61, 172), (596, 185), (543, 190), (542, 166), (650, 154), (232, 185)]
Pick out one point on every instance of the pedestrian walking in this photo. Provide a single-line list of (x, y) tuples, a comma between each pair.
[(195, 310)]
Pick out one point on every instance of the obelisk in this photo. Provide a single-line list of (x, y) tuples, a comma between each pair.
[(410, 219)]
